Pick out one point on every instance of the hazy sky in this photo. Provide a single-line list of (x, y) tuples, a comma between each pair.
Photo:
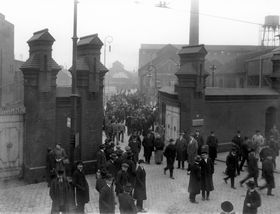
[(132, 22)]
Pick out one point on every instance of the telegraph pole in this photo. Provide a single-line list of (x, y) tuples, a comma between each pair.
[(213, 68), (74, 95)]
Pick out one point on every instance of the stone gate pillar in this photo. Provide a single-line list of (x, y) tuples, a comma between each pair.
[(39, 73), (191, 86), (90, 75)]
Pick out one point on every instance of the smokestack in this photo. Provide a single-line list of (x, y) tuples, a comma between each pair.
[(194, 23)]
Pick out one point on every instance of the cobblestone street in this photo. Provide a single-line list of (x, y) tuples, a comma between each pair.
[(164, 194)]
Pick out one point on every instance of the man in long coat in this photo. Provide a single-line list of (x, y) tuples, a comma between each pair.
[(81, 185), (148, 144), (232, 167), (252, 200), (181, 150), (122, 178), (207, 170), (212, 142), (140, 187), (101, 158), (60, 194), (134, 143), (159, 146), (268, 175), (107, 197), (194, 182), (50, 166), (192, 151), (126, 202), (199, 139), (170, 154), (253, 170)]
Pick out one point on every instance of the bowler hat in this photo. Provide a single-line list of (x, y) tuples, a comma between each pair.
[(101, 146), (197, 158), (251, 184), (171, 140), (227, 206), (108, 176), (125, 165), (113, 155), (80, 163), (141, 161), (127, 187)]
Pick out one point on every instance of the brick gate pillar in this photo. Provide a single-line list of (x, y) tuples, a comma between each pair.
[(191, 86), (39, 73), (90, 75)]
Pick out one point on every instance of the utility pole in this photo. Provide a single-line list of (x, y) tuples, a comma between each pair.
[(213, 68), (74, 95)]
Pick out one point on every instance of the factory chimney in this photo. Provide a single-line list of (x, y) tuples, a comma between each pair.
[(194, 23)]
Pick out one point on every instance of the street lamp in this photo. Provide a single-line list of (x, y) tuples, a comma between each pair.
[(213, 68), (109, 40)]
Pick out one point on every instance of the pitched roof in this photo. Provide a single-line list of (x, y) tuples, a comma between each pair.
[(41, 35), (193, 49), (90, 39), (239, 91)]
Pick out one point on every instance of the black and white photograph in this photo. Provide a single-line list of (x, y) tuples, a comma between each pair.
[(139, 106)]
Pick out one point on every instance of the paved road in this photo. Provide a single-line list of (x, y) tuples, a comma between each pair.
[(164, 195)]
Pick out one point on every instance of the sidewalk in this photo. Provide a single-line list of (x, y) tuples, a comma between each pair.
[(223, 155)]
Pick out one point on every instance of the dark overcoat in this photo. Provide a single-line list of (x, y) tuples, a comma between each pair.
[(82, 190), (195, 176), (212, 142), (60, 193), (170, 154), (181, 149), (253, 169), (111, 168), (207, 170), (232, 165), (200, 142), (268, 173), (192, 151), (100, 183), (140, 184), (159, 144), (254, 199), (100, 160), (107, 200), (148, 144), (127, 205), (121, 180)]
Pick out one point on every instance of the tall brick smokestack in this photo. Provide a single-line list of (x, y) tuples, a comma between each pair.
[(194, 23)]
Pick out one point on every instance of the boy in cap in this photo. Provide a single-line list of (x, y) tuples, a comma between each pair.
[(107, 197), (122, 178), (126, 202), (170, 154), (194, 182), (252, 200)]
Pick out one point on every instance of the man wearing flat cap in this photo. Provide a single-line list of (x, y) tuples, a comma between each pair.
[(252, 200), (170, 154), (107, 196), (126, 202), (122, 178), (110, 165)]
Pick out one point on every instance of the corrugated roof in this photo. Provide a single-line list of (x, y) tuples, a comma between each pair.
[(239, 91)]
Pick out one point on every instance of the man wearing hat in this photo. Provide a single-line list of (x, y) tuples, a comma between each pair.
[(195, 177), (170, 154), (227, 208), (212, 142), (192, 151), (122, 178), (199, 139), (60, 194), (232, 167), (126, 202), (252, 200), (110, 165), (101, 158), (268, 175), (140, 186), (134, 143), (107, 196), (148, 144), (207, 170), (181, 150), (81, 185), (100, 182)]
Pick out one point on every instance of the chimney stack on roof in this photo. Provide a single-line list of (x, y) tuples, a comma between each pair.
[(194, 23)]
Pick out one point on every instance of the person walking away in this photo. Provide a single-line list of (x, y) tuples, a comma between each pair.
[(258, 142), (232, 167), (170, 154), (126, 202), (82, 189), (253, 170), (140, 187), (50, 166), (212, 142), (60, 193), (207, 171), (264, 153), (268, 175), (148, 144), (134, 143), (122, 178), (245, 149), (159, 146), (252, 199), (111, 166), (181, 150), (274, 147), (192, 151), (131, 169), (194, 182), (199, 140), (107, 197), (101, 158), (238, 141)]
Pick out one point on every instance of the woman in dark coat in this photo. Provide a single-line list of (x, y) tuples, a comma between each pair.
[(207, 170), (140, 186), (232, 167), (82, 190), (194, 182), (252, 200), (181, 150), (159, 146)]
